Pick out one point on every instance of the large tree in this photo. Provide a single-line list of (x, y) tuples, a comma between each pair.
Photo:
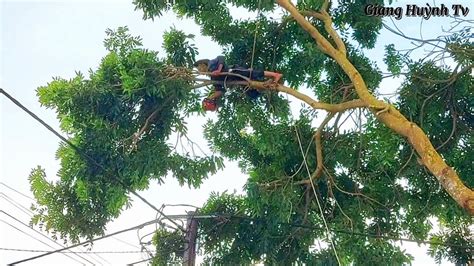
[(398, 166)]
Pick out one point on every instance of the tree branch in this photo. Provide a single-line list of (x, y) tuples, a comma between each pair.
[(259, 85), (322, 43), (319, 151), (136, 136), (333, 108), (327, 20), (392, 118)]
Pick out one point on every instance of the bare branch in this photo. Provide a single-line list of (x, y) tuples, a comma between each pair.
[(333, 108)]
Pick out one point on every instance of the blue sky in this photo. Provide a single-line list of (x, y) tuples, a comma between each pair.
[(45, 39)]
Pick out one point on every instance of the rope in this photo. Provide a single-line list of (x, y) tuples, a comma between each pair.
[(328, 232), (255, 36)]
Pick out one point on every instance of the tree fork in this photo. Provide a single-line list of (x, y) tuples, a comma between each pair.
[(390, 116)]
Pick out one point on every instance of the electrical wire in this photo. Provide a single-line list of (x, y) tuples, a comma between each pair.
[(39, 240), (125, 242), (85, 155), (75, 252), (88, 241), (181, 205), (23, 194), (140, 261), (168, 217), (143, 246), (16, 204), (30, 214), (45, 236)]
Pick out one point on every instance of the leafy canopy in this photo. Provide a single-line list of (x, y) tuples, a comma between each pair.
[(371, 182), (103, 114)]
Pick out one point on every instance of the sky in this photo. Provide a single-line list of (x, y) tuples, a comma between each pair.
[(44, 39)]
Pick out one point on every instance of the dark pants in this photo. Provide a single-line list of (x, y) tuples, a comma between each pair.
[(255, 74)]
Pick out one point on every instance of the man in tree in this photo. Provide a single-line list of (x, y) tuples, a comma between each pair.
[(366, 180), (220, 72)]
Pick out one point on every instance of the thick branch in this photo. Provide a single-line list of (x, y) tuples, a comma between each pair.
[(392, 118), (324, 16), (333, 108), (323, 44), (319, 151)]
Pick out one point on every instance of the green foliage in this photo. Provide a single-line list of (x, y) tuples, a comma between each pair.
[(461, 46), (437, 101), (121, 41), (392, 59), (352, 14), (103, 114), (63, 212), (235, 239), (459, 253), (180, 52), (371, 181), (169, 247), (331, 89)]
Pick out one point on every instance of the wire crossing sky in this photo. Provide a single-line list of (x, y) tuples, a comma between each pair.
[(45, 39)]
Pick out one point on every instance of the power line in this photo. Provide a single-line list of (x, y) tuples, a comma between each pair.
[(140, 261), (76, 252), (23, 194), (16, 204), (88, 241), (169, 217), (85, 155), (26, 225), (39, 240), (125, 242), (21, 207)]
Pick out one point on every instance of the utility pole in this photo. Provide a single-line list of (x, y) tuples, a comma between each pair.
[(189, 257)]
